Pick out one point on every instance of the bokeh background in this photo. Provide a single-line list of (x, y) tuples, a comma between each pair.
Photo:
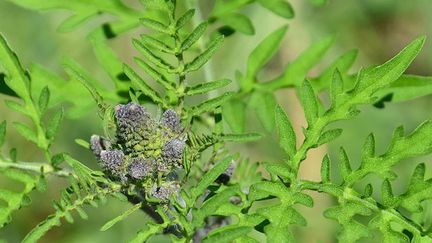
[(378, 29)]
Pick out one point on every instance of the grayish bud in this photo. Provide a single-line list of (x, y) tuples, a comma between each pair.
[(173, 150), (131, 115), (139, 168), (164, 192), (112, 160), (171, 120), (97, 144)]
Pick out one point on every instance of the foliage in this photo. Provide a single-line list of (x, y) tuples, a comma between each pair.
[(178, 169)]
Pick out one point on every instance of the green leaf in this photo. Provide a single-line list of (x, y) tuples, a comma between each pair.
[(156, 44), (83, 143), (16, 106), (287, 137), (351, 230), (418, 143), (388, 199), (264, 104), (208, 178), (329, 136), (150, 56), (200, 60), (407, 87), (234, 114), (336, 88), (381, 76), (246, 137), (227, 234), (418, 191), (342, 64), (325, 169), (2, 133), (16, 77), (156, 25), (155, 74), (145, 234), (44, 99), (344, 163), (206, 87), (261, 55), (296, 71), (209, 105), (26, 132), (121, 217), (193, 36), (186, 17), (142, 85), (54, 124), (239, 22), (309, 102), (279, 7)]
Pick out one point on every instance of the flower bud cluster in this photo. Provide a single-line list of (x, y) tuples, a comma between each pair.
[(145, 151)]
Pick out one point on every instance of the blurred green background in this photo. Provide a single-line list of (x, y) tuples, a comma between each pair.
[(378, 29)]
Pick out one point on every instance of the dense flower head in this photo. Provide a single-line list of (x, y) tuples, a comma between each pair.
[(145, 151)]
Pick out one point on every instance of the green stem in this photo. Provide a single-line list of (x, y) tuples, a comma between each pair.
[(44, 168)]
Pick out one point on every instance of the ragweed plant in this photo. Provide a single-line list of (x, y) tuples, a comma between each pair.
[(164, 148)]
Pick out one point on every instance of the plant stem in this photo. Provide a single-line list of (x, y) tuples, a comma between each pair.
[(37, 167)]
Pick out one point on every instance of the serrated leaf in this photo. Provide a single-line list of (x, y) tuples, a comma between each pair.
[(202, 59), (186, 17), (193, 36), (209, 105), (208, 178), (309, 102), (246, 137), (121, 217), (368, 150), (264, 104), (239, 22), (287, 136), (142, 85), (26, 132), (44, 99), (54, 124), (206, 87), (279, 7), (329, 136), (261, 55)]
